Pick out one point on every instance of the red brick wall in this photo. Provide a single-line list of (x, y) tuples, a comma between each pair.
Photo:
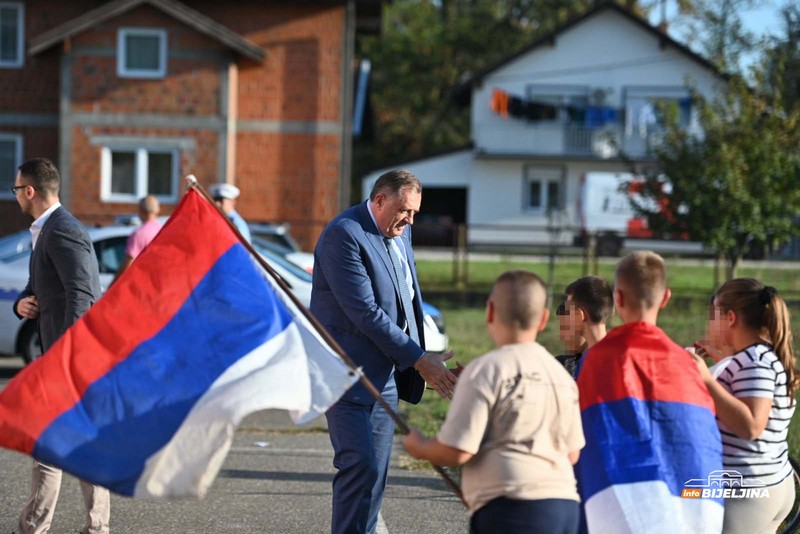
[(289, 177), (283, 176), (35, 87), (86, 179), (191, 86)]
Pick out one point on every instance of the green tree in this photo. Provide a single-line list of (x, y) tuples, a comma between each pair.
[(716, 25), (784, 57), (734, 184)]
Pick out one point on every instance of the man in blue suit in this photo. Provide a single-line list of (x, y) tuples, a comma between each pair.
[(365, 291)]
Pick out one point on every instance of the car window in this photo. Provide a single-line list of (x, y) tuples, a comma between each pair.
[(274, 242), (279, 235), (272, 245), (110, 253)]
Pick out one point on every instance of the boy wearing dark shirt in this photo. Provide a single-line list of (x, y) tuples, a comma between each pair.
[(582, 318)]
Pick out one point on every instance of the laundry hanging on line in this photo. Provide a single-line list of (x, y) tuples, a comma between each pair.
[(507, 105)]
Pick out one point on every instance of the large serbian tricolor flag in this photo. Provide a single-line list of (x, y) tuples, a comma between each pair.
[(143, 394), (650, 428)]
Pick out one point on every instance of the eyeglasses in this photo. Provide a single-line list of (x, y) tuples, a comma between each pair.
[(15, 187)]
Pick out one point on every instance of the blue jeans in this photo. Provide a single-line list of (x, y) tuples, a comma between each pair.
[(362, 443), (509, 516)]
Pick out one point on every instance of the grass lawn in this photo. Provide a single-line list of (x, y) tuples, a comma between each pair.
[(684, 319), (694, 280)]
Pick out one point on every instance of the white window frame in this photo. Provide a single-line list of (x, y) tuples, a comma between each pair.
[(141, 155), (545, 176), (123, 71), (5, 193), (19, 62)]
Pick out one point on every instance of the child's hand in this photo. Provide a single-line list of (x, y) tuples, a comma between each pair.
[(705, 374), (705, 349), (413, 442)]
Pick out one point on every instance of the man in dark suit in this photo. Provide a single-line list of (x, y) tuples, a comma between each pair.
[(365, 291), (63, 283)]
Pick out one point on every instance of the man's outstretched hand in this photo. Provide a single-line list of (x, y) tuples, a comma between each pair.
[(436, 375)]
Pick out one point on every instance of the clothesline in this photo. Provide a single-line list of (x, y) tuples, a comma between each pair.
[(642, 114)]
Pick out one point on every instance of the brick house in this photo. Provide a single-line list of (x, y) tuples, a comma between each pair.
[(129, 96)]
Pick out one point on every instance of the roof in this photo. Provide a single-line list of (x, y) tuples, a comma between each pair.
[(174, 8), (396, 164), (550, 39)]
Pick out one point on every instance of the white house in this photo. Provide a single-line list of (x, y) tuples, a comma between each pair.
[(546, 116)]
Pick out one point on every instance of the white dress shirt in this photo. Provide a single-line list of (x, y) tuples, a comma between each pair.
[(38, 224), (399, 250)]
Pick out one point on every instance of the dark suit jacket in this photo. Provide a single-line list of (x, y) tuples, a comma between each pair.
[(63, 275), (355, 296)]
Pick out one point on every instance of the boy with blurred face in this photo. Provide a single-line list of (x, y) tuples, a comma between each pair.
[(582, 318), (514, 422)]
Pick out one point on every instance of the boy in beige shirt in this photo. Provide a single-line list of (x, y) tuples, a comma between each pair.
[(514, 423)]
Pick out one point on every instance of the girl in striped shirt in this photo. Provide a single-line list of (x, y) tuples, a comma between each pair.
[(754, 396)]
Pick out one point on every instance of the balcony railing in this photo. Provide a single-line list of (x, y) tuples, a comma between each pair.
[(607, 141)]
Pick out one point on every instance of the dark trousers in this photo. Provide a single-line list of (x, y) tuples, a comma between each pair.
[(362, 443), (509, 516)]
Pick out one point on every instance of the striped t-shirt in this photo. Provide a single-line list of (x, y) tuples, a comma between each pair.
[(757, 372)]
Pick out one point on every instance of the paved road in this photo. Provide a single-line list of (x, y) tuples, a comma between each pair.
[(275, 480)]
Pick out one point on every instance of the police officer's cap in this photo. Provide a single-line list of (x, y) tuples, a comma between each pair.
[(220, 191)]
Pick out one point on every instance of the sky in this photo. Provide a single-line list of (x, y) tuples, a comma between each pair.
[(761, 21)]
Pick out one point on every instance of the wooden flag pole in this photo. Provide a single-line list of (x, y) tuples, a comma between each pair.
[(192, 182)]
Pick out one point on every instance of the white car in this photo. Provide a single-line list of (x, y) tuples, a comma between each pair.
[(18, 337), (278, 238)]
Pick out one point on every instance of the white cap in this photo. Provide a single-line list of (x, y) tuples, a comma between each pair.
[(224, 191)]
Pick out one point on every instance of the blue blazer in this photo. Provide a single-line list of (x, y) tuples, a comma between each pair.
[(356, 297)]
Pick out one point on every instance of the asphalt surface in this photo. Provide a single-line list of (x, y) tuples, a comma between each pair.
[(276, 479)]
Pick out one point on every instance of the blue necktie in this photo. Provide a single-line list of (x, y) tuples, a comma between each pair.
[(405, 294)]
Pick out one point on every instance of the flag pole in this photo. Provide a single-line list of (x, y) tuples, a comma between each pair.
[(194, 184)]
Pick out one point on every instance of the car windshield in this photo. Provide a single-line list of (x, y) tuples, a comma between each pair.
[(277, 235), (280, 260)]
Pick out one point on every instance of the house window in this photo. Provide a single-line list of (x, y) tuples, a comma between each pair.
[(646, 108), (10, 159), (12, 34), (543, 189), (570, 101), (128, 174), (142, 53)]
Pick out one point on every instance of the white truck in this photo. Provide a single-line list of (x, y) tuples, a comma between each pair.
[(604, 210)]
